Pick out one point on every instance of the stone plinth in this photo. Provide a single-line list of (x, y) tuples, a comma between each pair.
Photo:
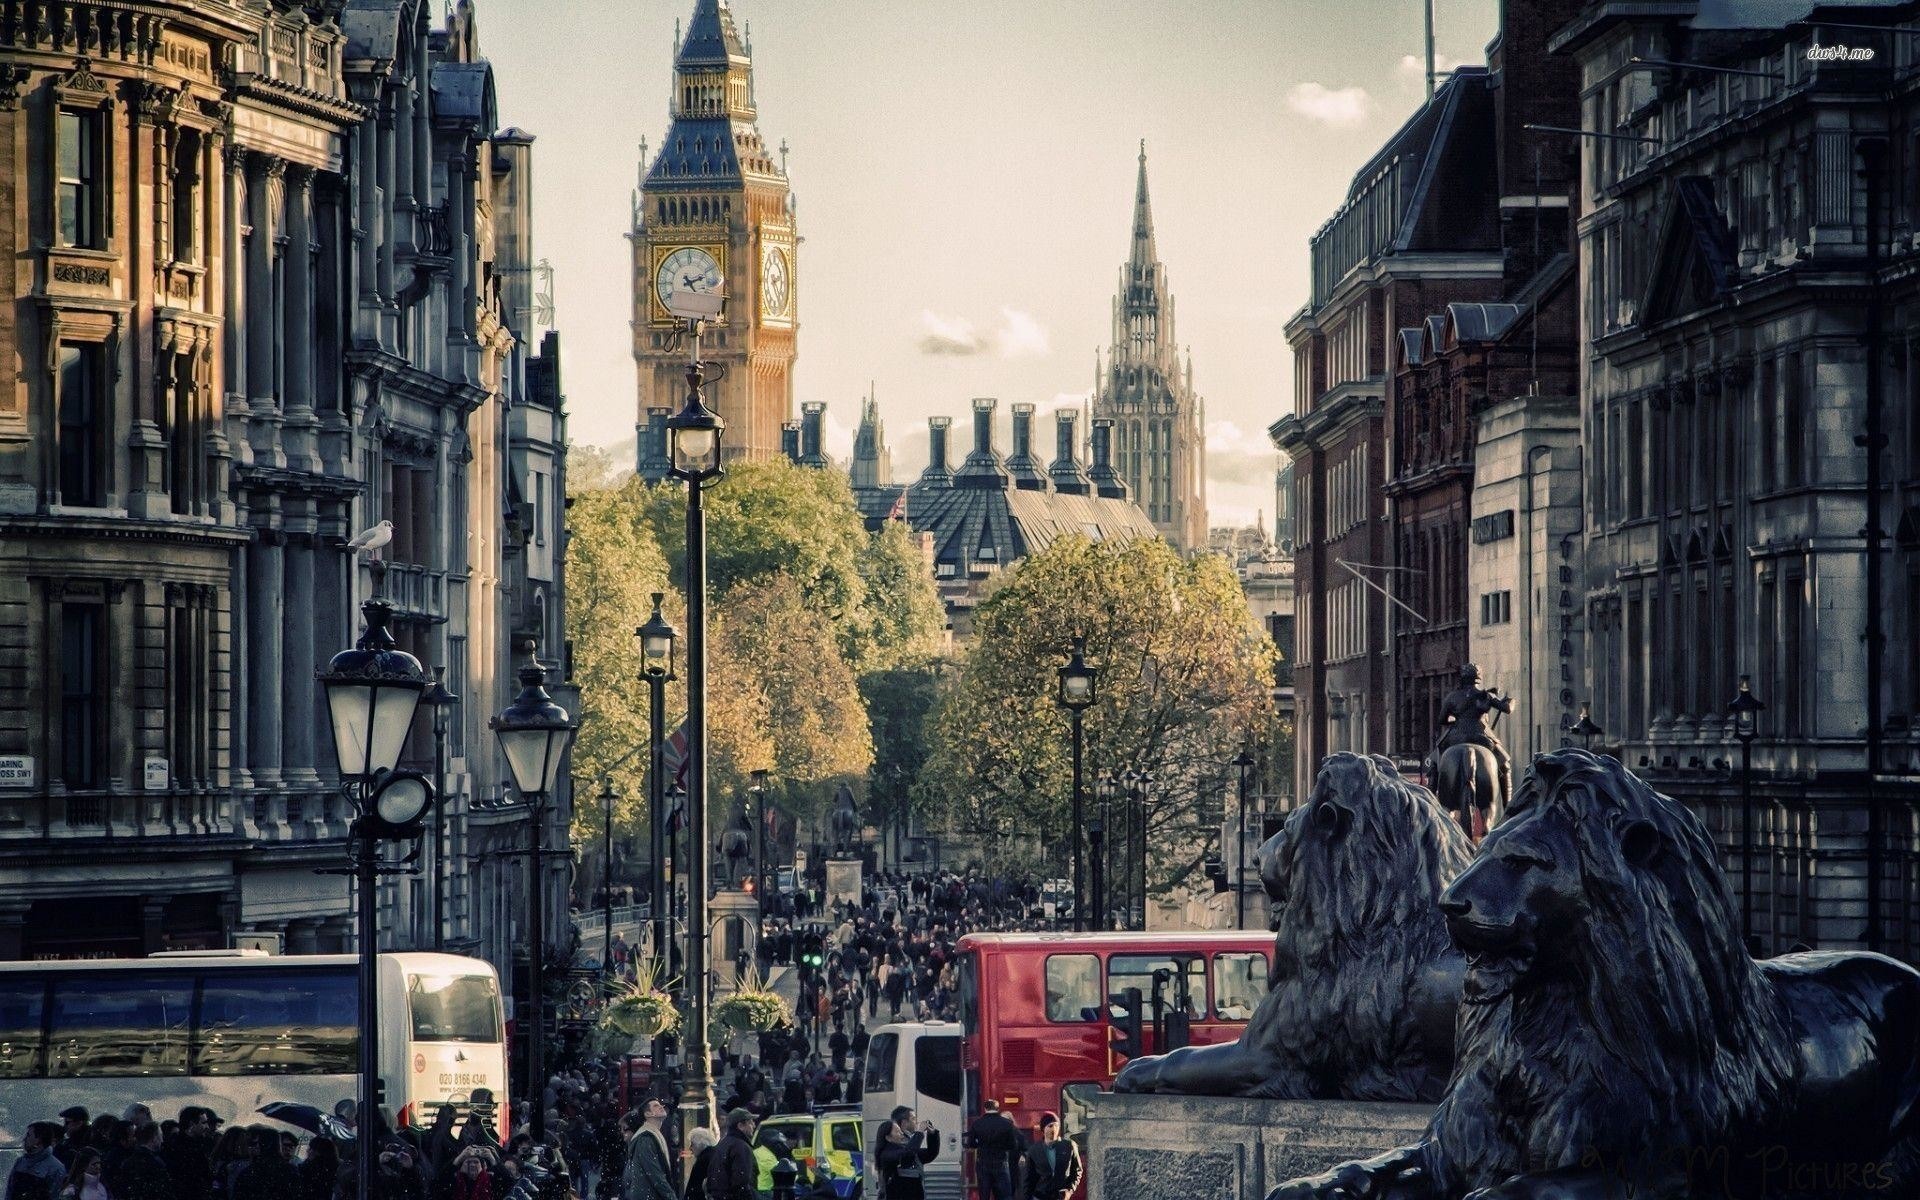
[(1223, 1148)]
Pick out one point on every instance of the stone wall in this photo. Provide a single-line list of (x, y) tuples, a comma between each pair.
[(1226, 1148)]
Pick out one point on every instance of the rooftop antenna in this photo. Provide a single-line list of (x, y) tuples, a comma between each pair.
[(1429, 8)]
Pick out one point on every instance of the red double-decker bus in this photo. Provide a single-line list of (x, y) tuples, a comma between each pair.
[(1037, 1026)]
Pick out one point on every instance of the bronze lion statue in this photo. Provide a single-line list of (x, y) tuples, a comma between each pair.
[(1617, 1041), (1364, 984)]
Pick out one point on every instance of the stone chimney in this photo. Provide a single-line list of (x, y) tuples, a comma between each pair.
[(790, 441), (1106, 480), (1068, 478), (983, 468), (812, 419), (1027, 473), (938, 474), (653, 462)]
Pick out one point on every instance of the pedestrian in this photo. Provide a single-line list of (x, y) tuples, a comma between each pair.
[(996, 1144), (139, 1173), (320, 1173), (648, 1176), (1051, 1168), (471, 1179), (73, 1137), (189, 1154), (733, 1173), (84, 1180), (38, 1173), (902, 1153), (700, 1147)]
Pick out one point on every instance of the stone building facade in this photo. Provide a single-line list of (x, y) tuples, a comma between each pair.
[(1750, 412), (1159, 423), (259, 309)]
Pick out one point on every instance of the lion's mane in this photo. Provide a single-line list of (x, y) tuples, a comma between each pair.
[(1356, 927), (1664, 1040)]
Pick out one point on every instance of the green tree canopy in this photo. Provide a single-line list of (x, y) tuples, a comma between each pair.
[(1184, 686)]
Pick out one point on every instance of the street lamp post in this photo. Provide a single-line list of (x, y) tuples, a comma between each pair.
[(1746, 709), (1097, 838), (758, 790), (534, 733), (372, 693), (1244, 763), (693, 436), (1078, 682), (443, 702), (1585, 729), (656, 666), (607, 795)]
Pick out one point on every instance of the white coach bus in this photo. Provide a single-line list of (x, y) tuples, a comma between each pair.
[(236, 1031)]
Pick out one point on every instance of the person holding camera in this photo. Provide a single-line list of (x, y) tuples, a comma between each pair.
[(904, 1150)]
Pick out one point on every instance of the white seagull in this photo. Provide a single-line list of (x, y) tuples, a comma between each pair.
[(372, 539)]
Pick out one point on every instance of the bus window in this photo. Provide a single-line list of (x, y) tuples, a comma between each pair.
[(453, 1008), (936, 1068), (1239, 983), (21, 1003), (967, 994), (115, 1024), (1073, 987), (277, 1023), (881, 1052), (1136, 971)]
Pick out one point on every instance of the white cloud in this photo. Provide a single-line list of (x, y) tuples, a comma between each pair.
[(953, 336), (1239, 456), (1413, 69), (1339, 107), (1020, 335)]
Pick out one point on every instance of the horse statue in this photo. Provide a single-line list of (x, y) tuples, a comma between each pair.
[(1469, 767), (846, 822), (736, 845)]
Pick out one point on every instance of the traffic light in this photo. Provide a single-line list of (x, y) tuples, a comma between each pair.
[(1216, 871), (812, 952), (1125, 1028)]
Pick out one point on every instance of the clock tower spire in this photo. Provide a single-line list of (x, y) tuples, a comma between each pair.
[(1158, 446), (715, 198)]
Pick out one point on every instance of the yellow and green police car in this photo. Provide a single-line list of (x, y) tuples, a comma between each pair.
[(826, 1140)]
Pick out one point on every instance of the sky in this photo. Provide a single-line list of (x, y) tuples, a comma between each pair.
[(964, 175)]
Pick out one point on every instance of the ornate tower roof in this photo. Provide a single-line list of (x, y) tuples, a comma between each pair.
[(713, 141), (872, 462), (1143, 309), (1144, 253)]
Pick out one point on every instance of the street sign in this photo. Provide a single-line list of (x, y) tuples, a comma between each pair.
[(155, 776), (800, 861), (16, 770)]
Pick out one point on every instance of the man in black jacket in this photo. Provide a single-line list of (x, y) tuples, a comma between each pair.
[(996, 1143), (1052, 1167), (733, 1174)]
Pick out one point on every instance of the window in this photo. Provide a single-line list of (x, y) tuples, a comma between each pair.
[(120, 1024), (22, 1001), (1764, 441), (1496, 608), (453, 1008), (936, 1069), (1239, 984), (79, 184), (1793, 654), (944, 570), (1793, 432), (83, 420), (1136, 970), (844, 1135), (881, 1053), (277, 1023), (1073, 987), (83, 708), (185, 212)]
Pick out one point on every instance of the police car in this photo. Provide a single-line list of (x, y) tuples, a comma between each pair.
[(827, 1139)]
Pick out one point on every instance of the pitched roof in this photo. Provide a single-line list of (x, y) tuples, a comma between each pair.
[(711, 38)]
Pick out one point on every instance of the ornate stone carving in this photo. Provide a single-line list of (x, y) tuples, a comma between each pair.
[(1617, 1040), (1364, 985), (11, 77), (82, 78)]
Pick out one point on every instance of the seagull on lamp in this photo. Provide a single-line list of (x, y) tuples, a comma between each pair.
[(369, 540)]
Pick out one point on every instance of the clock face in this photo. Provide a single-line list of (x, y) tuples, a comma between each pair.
[(688, 269), (775, 286)]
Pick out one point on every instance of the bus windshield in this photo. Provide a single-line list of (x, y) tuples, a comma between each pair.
[(453, 1008)]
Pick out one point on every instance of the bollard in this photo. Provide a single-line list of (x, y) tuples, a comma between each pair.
[(784, 1173)]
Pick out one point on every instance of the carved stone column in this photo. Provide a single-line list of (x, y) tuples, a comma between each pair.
[(263, 192), (266, 617), (233, 276), (297, 681), (301, 435), (389, 311)]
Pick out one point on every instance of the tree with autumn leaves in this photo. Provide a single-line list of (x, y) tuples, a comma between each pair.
[(805, 603), (1185, 685)]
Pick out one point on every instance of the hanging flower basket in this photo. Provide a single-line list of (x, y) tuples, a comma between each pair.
[(752, 1008), (641, 1009)]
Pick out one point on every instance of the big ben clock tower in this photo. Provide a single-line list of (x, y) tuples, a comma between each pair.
[(713, 202)]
